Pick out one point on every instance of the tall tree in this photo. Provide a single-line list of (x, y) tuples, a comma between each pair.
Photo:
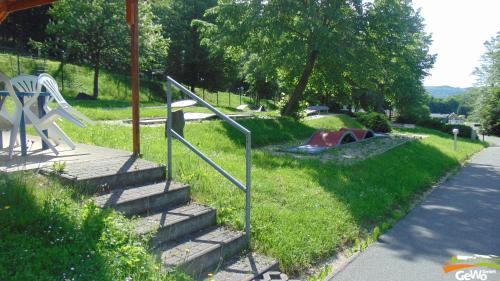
[(372, 55), (396, 33), (488, 72), (488, 109), (289, 36), (189, 61), (95, 32)]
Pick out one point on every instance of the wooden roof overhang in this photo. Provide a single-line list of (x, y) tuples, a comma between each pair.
[(10, 6)]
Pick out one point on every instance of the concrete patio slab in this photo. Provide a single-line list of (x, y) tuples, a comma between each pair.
[(38, 158)]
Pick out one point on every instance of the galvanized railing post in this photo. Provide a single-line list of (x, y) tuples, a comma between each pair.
[(248, 149), (169, 129), (248, 155)]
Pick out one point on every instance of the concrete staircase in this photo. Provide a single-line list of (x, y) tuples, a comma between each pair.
[(184, 233)]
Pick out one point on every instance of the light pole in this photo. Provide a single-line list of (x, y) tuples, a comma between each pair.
[(455, 133), (203, 86), (62, 70), (240, 89)]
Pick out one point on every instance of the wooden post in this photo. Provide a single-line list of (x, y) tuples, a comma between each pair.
[(133, 19)]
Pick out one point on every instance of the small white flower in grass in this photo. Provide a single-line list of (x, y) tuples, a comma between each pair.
[(72, 269), (128, 279)]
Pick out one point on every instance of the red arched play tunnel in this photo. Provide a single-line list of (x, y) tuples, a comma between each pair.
[(323, 140), (331, 139), (360, 133)]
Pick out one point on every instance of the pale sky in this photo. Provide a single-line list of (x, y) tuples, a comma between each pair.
[(459, 28)]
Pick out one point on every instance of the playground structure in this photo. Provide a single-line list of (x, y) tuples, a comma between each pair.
[(360, 133), (324, 139)]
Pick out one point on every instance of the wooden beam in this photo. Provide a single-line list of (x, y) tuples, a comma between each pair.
[(133, 7), (18, 5), (129, 12), (10, 6), (3, 15)]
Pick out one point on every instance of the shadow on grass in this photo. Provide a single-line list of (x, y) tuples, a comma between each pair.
[(267, 131), (281, 130), (43, 238), (99, 103), (374, 188), (374, 192)]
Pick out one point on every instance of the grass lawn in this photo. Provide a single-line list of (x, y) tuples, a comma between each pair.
[(302, 210), (49, 233), (113, 87), (119, 110), (115, 90), (102, 114)]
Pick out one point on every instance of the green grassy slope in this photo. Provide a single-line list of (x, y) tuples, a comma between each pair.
[(114, 88), (302, 210), (47, 233)]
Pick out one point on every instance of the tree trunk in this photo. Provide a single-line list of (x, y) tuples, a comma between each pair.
[(293, 103), (97, 68)]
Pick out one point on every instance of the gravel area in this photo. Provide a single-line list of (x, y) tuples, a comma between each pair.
[(348, 154)]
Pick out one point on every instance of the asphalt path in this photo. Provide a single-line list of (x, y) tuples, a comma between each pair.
[(460, 217)]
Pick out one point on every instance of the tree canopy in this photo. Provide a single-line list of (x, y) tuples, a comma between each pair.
[(96, 32), (370, 55), (347, 49), (488, 108)]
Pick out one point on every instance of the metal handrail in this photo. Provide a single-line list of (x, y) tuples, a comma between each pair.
[(248, 150)]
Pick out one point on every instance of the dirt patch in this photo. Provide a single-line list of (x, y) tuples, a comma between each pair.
[(348, 154)]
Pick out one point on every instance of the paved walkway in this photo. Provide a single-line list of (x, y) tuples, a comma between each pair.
[(494, 141), (461, 217)]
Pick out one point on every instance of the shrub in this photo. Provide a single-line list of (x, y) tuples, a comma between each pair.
[(464, 130), (489, 112), (433, 123), (377, 122)]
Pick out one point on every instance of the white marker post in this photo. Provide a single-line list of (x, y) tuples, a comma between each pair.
[(455, 133)]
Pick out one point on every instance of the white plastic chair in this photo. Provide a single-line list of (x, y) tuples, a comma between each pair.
[(11, 121), (64, 108), (29, 84)]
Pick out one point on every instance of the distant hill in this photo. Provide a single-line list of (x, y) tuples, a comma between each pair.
[(444, 91)]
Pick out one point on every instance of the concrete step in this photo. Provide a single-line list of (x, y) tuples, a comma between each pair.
[(176, 222), (111, 173), (201, 252), (245, 268), (146, 198), (274, 276)]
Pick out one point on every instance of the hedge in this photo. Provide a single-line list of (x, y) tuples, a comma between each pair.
[(464, 130), (377, 122)]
